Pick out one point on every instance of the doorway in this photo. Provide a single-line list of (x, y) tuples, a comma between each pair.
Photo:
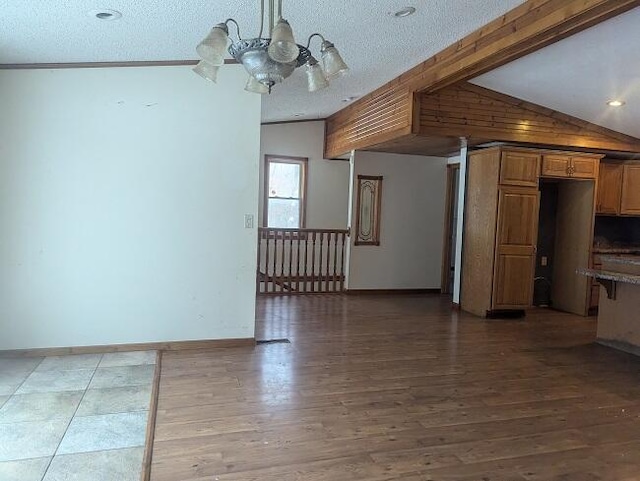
[(450, 230)]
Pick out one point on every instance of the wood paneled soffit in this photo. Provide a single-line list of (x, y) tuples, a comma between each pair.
[(478, 113), (386, 113)]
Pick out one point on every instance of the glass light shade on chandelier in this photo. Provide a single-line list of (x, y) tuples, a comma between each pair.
[(256, 87), (315, 76), (207, 71), (269, 60), (213, 47), (283, 47), (332, 62)]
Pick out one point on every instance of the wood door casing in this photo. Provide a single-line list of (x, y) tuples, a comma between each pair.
[(520, 169), (516, 241), (609, 188), (630, 201)]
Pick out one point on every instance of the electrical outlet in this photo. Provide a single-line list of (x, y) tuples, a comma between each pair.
[(544, 261), (248, 221)]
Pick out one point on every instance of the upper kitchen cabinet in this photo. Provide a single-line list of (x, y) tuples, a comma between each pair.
[(609, 188), (570, 166), (520, 168), (630, 198), (619, 189)]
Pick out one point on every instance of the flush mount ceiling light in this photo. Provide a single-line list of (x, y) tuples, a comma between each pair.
[(405, 12), (105, 14), (269, 60), (615, 103)]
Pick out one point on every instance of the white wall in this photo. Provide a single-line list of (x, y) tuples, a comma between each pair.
[(411, 227), (328, 180), (122, 195)]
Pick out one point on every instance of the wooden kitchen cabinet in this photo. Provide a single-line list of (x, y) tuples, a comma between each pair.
[(609, 188), (516, 241), (501, 228), (630, 196), (520, 168), (619, 189), (570, 166), (501, 224)]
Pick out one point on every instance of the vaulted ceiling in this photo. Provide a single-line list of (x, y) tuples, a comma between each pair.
[(578, 75), (376, 45), (575, 76)]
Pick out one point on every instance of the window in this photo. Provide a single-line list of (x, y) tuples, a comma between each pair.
[(285, 192)]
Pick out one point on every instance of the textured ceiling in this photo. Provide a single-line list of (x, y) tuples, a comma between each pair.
[(377, 46), (578, 75)]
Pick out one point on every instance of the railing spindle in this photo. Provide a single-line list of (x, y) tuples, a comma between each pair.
[(313, 264), (342, 273), (306, 260), (326, 272), (298, 263), (335, 260)]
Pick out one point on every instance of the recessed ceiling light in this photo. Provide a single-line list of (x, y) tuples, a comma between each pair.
[(298, 114), (105, 14), (405, 12), (350, 99), (615, 103)]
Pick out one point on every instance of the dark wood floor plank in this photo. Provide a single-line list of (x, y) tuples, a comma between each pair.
[(400, 388)]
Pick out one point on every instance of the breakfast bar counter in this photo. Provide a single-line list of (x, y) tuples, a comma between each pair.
[(619, 306)]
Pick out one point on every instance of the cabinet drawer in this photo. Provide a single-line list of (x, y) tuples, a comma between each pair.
[(555, 165)]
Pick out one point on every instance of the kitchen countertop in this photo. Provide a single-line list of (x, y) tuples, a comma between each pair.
[(610, 275), (626, 260), (616, 250)]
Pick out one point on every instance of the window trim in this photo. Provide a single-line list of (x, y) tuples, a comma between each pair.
[(285, 159)]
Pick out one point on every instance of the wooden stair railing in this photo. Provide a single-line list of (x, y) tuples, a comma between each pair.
[(300, 261)]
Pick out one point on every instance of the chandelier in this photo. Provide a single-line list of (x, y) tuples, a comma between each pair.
[(269, 60)]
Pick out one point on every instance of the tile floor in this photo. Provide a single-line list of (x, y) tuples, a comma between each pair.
[(74, 418)]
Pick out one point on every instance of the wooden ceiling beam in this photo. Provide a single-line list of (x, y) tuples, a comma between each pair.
[(527, 28), (523, 30)]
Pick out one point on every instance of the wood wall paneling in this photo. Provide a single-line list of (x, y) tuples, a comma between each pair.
[(384, 116), (466, 110)]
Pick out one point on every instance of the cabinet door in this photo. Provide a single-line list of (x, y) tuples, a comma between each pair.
[(630, 203), (520, 169), (515, 248), (556, 165), (584, 167), (609, 189)]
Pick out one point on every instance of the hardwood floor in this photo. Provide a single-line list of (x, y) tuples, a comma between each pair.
[(400, 388)]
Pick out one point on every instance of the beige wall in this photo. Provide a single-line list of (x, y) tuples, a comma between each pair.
[(122, 198), (412, 223)]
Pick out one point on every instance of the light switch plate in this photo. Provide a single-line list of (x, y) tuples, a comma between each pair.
[(248, 221)]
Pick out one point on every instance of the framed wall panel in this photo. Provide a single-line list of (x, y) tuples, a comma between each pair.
[(368, 206)]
